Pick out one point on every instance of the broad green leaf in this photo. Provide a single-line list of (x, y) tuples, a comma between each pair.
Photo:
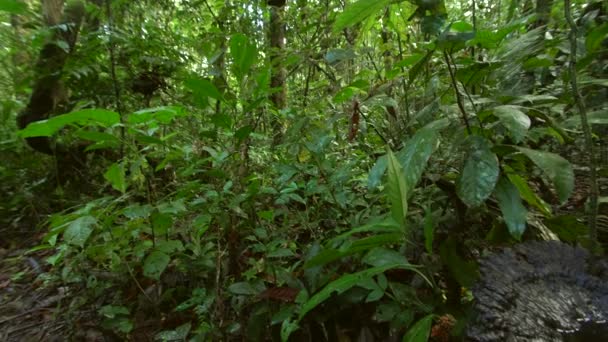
[(79, 230), (420, 66), (567, 227), (596, 37), (528, 195), (98, 137), (85, 117), (413, 156), (514, 120), (116, 176), (155, 264), (556, 168), (386, 225), (111, 311), (599, 117), (465, 272), (480, 173), (242, 288), (416, 153), (161, 223), (357, 12), (396, 189), (203, 88), (513, 210), (420, 331), (243, 53), (382, 256), (346, 282), (166, 114), (374, 179), (331, 254), (13, 6), (334, 56)]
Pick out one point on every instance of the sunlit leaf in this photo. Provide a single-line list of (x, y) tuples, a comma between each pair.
[(357, 12), (79, 230), (13, 6), (203, 88), (85, 117), (244, 54), (115, 175), (396, 189), (514, 120)]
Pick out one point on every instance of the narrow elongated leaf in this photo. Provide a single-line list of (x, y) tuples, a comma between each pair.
[(513, 210), (420, 331), (514, 120), (357, 12), (528, 195), (331, 254), (480, 173), (396, 189), (85, 117), (347, 281), (556, 168)]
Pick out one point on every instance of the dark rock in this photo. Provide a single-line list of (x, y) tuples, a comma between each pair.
[(540, 291)]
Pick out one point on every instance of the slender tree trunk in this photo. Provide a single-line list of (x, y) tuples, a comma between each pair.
[(277, 81)]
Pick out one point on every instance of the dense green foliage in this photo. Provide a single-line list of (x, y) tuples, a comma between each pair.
[(349, 200)]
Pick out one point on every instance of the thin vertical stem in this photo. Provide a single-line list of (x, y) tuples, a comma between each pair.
[(582, 111)]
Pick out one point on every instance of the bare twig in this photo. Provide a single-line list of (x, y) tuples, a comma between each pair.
[(465, 117)]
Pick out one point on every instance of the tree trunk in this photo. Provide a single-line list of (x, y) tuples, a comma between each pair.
[(277, 81), (48, 89)]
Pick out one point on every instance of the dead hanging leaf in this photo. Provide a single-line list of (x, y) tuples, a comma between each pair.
[(283, 294)]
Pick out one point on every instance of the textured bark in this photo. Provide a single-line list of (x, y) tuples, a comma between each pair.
[(277, 80), (48, 89), (540, 291)]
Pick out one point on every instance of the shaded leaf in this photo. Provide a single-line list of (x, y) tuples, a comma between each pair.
[(512, 208), (155, 264), (420, 331), (556, 168), (480, 173)]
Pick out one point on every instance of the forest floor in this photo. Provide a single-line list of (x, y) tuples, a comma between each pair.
[(29, 311), (34, 308)]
